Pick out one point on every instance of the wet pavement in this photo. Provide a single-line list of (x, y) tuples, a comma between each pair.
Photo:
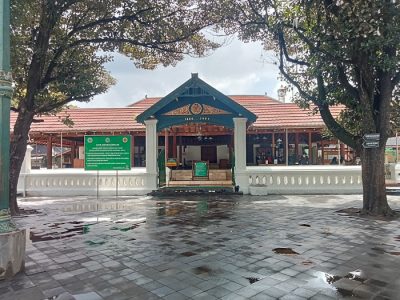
[(206, 247)]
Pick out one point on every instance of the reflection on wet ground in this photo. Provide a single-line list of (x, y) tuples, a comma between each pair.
[(207, 247)]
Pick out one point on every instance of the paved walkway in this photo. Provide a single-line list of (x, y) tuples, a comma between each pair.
[(221, 247)]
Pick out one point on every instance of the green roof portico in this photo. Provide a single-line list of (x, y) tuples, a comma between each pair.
[(195, 101)]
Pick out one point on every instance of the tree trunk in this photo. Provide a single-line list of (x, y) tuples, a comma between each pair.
[(19, 141), (373, 176)]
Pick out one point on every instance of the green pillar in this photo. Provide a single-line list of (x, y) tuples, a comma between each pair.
[(5, 98)]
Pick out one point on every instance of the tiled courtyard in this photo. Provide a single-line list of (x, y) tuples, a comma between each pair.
[(206, 247)]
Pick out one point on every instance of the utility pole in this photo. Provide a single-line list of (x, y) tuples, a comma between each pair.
[(6, 224), (12, 239)]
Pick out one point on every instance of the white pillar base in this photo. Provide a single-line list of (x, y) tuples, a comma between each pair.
[(12, 253), (242, 180)]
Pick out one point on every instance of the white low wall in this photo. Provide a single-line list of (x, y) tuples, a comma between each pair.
[(254, 180), (303, 180), (77, 182)]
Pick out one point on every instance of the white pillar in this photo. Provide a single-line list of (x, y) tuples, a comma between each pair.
[(25, 170), (27, 163), (151, 152), (241, 178)]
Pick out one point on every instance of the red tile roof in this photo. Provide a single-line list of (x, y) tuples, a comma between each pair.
[(271, 114)]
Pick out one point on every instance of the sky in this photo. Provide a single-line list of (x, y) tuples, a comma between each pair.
[(236, 68)]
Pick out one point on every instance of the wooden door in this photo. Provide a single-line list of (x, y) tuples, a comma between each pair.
[(209, 153)]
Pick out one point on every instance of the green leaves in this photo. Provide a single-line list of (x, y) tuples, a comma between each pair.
[(335, 52), (58, 45)]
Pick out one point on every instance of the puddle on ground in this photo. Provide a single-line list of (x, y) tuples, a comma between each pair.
[(382, 251), (203, 270), (326, 280), (209, 207), (307, 262), (331, 278), (286, 251), (349, 211), (102, 205), (95, 242), (252, 279), (78, 228), (66, 295), (188, 253), (355, 275), (124, 229)]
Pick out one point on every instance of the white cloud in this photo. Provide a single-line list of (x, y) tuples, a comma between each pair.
[(236, 68)]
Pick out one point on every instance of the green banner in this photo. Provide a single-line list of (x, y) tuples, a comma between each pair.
[(104, 153), (200, 169)]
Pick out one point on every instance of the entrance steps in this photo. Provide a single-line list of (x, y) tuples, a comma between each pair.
[(199, 183), (195, 190), (181, 182), (213, 175)]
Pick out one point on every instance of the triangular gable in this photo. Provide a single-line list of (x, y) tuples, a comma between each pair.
[(195, 101)]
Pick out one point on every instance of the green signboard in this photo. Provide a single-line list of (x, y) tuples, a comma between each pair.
[(200, 169), (107, 152)]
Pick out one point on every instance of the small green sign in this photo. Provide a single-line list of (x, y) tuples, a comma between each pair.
[(200, 169), (104, 153)]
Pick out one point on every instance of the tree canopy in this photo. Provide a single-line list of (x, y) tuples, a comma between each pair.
[(335, 52), (59, 48)]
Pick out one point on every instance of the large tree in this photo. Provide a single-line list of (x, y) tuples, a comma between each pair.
[(335, 52), (59, 49)]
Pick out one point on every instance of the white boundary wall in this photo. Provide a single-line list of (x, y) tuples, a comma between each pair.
[(254, 180), (77, 182), (303, 180)]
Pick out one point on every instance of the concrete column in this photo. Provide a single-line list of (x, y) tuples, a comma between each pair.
[(166, 143), (73, 151), (174, 152), (132, 150), (240, 143), (180, 150), (12, 239), (241, 178), (151, 152), (310, 147), (27, 163), (273, 148), (50, 152), (286, 147)]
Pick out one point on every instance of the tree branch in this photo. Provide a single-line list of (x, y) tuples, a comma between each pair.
[(51, 106), (302, 92), (338, 130), (345, 82), (283, 46)]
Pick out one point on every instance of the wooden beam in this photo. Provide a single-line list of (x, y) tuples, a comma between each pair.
[(166, 144), (174, 145)]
